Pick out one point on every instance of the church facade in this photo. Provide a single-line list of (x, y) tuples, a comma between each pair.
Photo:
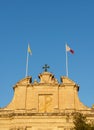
[(43, 105)]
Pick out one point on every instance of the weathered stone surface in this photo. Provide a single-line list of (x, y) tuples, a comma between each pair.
[(43, 105)]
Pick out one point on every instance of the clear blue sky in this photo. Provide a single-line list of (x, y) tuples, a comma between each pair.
[(47, 25)]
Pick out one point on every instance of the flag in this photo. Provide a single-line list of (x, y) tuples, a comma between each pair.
[(69, 49), (29, 50)]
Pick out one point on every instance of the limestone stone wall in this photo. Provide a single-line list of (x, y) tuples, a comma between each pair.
[(43, 105)]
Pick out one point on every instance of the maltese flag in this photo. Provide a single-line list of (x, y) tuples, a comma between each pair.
[(69, 49)]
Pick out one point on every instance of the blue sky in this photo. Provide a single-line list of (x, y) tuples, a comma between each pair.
[(47, 25)]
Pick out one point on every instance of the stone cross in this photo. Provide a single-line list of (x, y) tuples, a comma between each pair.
[(46, 67)]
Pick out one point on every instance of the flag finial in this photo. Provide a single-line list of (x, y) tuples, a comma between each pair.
[(28, 52), (68, 49)]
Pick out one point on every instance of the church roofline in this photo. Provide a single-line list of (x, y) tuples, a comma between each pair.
[(24, 81)]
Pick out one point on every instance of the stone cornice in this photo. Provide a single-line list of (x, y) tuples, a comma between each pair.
[(19, 113)]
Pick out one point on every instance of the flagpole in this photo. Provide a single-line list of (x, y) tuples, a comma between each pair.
[(27, 64), (66, 63)]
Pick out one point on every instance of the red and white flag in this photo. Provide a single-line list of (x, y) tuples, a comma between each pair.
[(69, 49)]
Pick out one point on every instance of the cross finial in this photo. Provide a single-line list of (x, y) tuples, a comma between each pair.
[(46, 67)]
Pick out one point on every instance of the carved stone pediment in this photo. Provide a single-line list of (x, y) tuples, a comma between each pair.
[(24, 81), (47, 77), (66, 80)]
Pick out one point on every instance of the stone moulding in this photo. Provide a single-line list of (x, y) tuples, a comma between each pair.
[(11, 113)]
